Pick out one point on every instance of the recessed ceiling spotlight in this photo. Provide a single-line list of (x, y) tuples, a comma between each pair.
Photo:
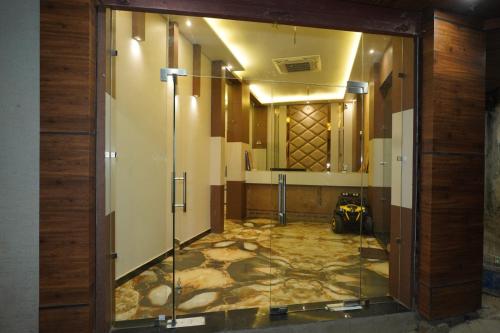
[(189, 23), (229, 67), (372, 51)]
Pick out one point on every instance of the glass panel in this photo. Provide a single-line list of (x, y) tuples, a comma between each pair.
[(389, 71), (312, 264), (240, 128), (378, 72), (137, 124)]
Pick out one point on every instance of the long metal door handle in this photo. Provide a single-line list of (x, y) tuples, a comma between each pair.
[(184, 193), (184, 189), (284, 199), (279, 196), (172, 194)]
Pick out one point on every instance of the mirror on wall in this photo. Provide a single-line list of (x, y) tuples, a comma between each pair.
[(309, 136)]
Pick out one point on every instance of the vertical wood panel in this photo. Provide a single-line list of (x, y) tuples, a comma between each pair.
[(217, 208), (236, 200), (452, 168), (66, 218), (217, 100), (139, 26), (173, 45), (259, 124), (238, 116), (73, 319), (67, 165), (66, 71), (196, 70)]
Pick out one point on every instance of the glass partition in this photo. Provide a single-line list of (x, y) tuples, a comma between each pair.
[(255, 173)]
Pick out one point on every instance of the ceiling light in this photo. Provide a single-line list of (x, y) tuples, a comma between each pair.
[(372, 51), (229, 67), (188, 23)]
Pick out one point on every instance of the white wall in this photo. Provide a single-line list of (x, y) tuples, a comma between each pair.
[(139, 125), (19, 161), (193, 146), (142, 134), (402, 171)]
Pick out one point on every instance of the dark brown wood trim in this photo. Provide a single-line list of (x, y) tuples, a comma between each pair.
[(217, 100), (139, 26), (236, 200), (173, 45), (217, 208), (473, 22), (332, 14), (196, 70), (195, 238), (103, 288), (144, 267)]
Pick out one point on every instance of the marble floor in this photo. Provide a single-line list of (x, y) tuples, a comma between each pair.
[(256, 263)]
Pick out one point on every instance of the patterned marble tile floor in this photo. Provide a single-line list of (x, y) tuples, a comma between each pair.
[(253, 264)]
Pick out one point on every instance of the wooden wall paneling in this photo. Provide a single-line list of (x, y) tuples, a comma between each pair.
[(403, 74), (238, 116), (302, 200), (394, 253), (452, 169), (139, 26), (458, 87), (401, 255), (259, 124), (67, 165), (236, 200), (379, 199), (356, 137), (173, 45), (386, 63), (105, 270), (217, 208), (217, 100), (66, 214), (196, 70), (408, 70), (66, 74), (334, 14), (76, 319)]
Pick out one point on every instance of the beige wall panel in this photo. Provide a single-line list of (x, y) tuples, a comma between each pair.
[(139, 136)]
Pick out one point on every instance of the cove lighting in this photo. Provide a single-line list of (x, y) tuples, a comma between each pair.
[(263, 91)]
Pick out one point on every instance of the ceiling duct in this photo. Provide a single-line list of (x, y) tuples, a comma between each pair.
[(298, 64)]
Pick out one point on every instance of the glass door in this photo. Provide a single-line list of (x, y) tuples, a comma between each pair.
[(315, 260)]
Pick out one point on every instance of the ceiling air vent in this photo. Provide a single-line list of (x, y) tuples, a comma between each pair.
[(298, 64)]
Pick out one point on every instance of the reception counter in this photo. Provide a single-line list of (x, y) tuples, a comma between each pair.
[(349, 179), (309, 195)]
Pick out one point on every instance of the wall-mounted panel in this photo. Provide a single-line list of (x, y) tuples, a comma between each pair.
[(452, 168)]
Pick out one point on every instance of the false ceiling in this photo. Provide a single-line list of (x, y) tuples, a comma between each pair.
[(250, 49), (256, 45)]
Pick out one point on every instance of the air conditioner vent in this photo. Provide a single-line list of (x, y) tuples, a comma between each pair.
[(298, 64)]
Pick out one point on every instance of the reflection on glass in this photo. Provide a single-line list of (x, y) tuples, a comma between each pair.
[(270, 141)]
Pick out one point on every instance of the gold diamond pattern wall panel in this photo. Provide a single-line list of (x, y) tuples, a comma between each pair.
[(308, 136)]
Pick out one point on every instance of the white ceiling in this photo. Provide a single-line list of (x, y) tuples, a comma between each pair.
[(249, 48)]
